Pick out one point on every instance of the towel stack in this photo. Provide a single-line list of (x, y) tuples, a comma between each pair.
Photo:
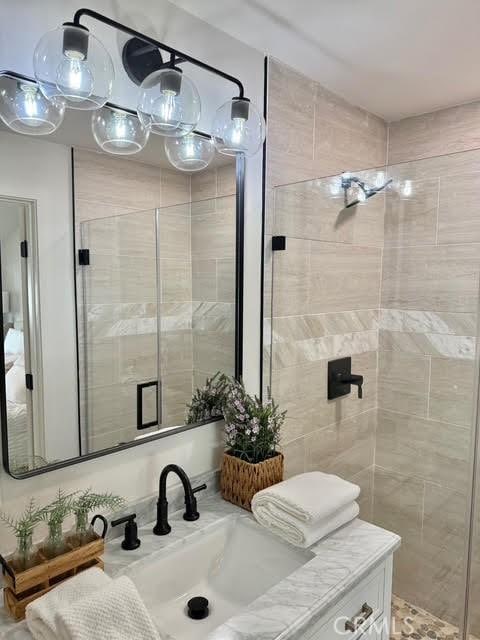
[(307, 507), (91, 605)]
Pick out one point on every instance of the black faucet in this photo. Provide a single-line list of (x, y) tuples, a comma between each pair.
[(162, 528)]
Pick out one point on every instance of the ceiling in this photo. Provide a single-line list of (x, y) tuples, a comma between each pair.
[(395, 58)]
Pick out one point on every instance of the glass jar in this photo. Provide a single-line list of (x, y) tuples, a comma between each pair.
[(55, 544), (26, 554), (82, 532)]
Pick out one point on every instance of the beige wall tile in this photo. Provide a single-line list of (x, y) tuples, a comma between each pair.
[(452, 390), (434, 344), (290, 125), (174, 233), (290, 283), (398, 503), (204, 279), (226, 275), (125, 183), (204, 185), (365, 480), (403, 382), (433, 134), (213, 235), (458, 221), (444, 518), (294, 453), (176, 348), (343, 277), (175, 187), (176, 394), (413, 221), (443, 278), (345, 448), (227, 179), (176, 280), (416, 447)]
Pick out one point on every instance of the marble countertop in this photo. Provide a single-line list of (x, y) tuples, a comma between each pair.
[(286, 610)]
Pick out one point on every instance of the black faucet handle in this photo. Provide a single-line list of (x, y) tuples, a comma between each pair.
[(191, 512), (131, 540), (200, 487)]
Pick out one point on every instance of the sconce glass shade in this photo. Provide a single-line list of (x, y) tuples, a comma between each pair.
[(73, 68), (119, 132), (169, 103), (238, 127), (190, 153), (24, 108)]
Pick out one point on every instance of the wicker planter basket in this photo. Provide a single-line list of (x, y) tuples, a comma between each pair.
[(241, 480)]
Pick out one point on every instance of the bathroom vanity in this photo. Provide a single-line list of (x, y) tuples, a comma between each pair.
[(257, 586)]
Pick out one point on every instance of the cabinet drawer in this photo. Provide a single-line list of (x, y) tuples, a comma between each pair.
[(353, 615)]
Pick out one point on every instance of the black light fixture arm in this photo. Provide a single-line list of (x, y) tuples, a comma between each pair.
[(177, 56)]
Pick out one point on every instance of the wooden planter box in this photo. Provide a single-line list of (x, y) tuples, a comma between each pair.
[(26, 586), (241, 480)]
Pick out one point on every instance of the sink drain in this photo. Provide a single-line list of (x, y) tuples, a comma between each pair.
[(197, 608)]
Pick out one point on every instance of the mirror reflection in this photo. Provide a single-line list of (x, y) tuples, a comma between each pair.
[(146, 312)]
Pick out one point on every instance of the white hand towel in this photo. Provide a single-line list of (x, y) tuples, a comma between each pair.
[(308, 497), (299, 533), (40, 614), (114, 613)]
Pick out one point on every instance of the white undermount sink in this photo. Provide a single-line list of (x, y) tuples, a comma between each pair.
[(231, 565)]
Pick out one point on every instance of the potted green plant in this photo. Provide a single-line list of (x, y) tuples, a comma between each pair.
[(252, 461), (58, 510), (26, 555), (207, 401), (82, 505)]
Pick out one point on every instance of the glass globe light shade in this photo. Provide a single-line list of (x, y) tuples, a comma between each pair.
[(238, 127), (190, 153), (117, 131), (73, 68), (169, 103), (24, 108), (406, 190)]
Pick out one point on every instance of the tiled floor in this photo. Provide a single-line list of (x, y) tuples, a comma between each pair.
[(409, 621)]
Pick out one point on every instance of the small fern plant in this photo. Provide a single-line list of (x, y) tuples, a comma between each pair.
[(23, 528), (208, 401), (57, 512), (88, 501)]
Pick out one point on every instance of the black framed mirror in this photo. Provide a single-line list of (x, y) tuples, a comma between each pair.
[(108, 358)]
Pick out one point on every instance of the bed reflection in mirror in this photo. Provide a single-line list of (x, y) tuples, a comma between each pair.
[(124, 303)]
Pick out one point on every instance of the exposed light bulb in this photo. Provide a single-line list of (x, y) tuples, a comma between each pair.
[(164, 109), (26, 106), (238, 132), (74, 77), (380, 179), (117, 131)]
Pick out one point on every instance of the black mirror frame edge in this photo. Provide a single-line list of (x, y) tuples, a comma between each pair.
[(239, 278)]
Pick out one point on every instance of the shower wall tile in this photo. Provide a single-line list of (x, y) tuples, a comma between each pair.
[(433, 344), (213, 234), (344, 448), (294, 453), (204, 279), (434, 322), (175, 187), (437, 278), (302, 392), (425, 449), (432, 134), (304, 327), (444, 521), (458, 220), (176, 280), (124, 183), (204, 185), (291, 124), (403, 382), (226, 179), (226, 284), (452, 390), (413, 221), (174, 232), (291, 285), (343, 277)]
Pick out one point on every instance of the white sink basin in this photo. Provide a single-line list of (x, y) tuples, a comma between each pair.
[(230, 565)]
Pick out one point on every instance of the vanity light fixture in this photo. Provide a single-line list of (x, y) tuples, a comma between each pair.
[(73, 68), (406, 190), (118, 130), (238, 127), (24, 108), (192, 152), (168, 103)]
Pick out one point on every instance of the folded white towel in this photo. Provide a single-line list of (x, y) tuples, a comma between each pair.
[(40, 614), (113, 613), (300, 533), (308, 497)]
